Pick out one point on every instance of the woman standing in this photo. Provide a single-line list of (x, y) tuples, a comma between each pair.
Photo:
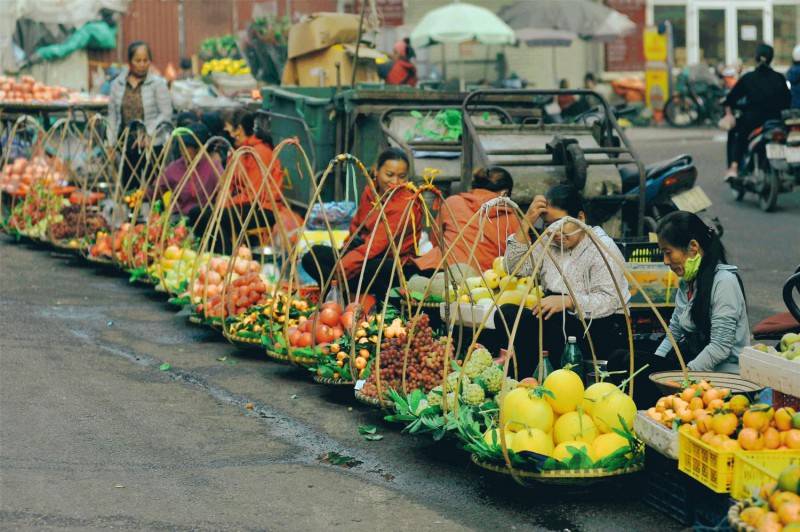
[(137, 95), (710, 318)]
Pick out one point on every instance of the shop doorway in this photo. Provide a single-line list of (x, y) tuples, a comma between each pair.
[(749, 32)]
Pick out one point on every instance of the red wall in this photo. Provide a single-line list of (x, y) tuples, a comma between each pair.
[(627, 53)]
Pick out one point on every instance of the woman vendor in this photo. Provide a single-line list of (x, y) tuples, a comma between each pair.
[(593, 272), (710, 318), (251, 184), (200, 187), (461, 229), (369, 245), (137, 95)]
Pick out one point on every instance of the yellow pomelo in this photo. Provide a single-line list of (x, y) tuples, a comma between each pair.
[(593, 394), (562, 452), (609, 409), (522, 409), (499, 267), (480, 293), (574, 426), (474, 282), (492, 437), (567, 389), (510, 297), (533, 440), (607, 444), (508, 283), (491, 279)]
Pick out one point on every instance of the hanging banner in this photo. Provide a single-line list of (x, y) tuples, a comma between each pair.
[(625, 53)]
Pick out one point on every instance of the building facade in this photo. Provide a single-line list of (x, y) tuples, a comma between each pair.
[(726, 31)]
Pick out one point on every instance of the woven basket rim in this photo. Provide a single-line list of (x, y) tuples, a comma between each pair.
[(559, 475), (234, 339), (277, 356), (332, 382)]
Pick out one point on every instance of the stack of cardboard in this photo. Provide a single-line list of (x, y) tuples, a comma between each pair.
[(321, 42)]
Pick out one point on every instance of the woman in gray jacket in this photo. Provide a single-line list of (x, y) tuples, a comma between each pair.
[(710, 319), (137, 95)]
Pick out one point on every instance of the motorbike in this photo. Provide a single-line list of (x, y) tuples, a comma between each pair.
[(771, 164), (670, 185), (697, 99)]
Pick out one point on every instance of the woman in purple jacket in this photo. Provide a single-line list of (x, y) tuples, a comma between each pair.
[(202, 184)]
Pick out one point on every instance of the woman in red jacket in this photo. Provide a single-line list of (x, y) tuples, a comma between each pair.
[(370, 241)]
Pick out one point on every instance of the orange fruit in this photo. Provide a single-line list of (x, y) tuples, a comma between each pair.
[(772, 438), (361, 362), (685, 415), (767, 489), (769, 522), (778, 498), (695, 403), (738, 404), (703, 422), (710, 395), (751, 439), (783, 418), (724, 423), (792, 438), (716, 404), (752, 514), (730, 445), (688, 394), (689, 429), (756, 419), (718, 440), (708, 437), (789, 512)]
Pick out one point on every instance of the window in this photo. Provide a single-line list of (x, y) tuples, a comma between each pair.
[(750, 24), (712, 36), (786, 32), (677, 16)]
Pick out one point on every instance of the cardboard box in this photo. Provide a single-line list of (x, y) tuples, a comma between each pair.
[(320, 31), (318, 69)]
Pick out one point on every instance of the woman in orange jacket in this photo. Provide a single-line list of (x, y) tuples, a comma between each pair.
[(251, 185), (370, 238), (460, 228)]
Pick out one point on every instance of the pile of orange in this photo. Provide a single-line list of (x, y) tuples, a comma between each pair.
[(697, 400), (726, 421), (777, 507)]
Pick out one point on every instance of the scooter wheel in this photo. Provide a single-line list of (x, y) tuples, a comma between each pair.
[(768, 197)]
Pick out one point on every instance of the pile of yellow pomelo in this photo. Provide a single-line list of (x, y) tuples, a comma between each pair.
[(562, 417)]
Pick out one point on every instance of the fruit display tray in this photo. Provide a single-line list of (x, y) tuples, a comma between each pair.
[(656, 435), (770, 370)]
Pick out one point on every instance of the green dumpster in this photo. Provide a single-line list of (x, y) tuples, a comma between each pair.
[(307, 113)]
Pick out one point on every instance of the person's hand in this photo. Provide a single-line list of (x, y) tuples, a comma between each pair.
[(552, 305), (536, 210)]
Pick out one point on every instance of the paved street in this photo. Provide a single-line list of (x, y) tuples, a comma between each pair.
[(93, 435)]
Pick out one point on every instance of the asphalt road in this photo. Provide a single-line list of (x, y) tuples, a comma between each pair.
[(93, 435)]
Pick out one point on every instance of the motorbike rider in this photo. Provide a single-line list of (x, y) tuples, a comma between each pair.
[(765, 95), (793, 76)]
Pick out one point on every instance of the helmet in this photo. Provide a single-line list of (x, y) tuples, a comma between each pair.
[(764, 53), (796, 54)]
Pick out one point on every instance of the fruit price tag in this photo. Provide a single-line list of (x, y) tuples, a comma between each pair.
[(360, 384)]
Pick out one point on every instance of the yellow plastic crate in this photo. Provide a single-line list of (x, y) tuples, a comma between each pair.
[(709, 466), (751, 470), (716, 469)]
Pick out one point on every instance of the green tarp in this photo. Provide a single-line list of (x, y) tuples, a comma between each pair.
[(96, 35)]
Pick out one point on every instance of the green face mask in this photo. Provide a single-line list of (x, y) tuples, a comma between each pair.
[(691, 267)]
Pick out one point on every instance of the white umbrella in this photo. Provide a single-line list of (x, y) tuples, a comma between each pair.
[(589, 20), (459, 23)]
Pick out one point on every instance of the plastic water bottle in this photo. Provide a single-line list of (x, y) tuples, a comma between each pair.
[(334, 294), (544, 368), (573, 356)]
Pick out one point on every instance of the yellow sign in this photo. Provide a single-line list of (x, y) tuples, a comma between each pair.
[(657, 88), (655, 45)]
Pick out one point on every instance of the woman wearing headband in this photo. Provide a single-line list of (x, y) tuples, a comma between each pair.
[(588, 263)]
